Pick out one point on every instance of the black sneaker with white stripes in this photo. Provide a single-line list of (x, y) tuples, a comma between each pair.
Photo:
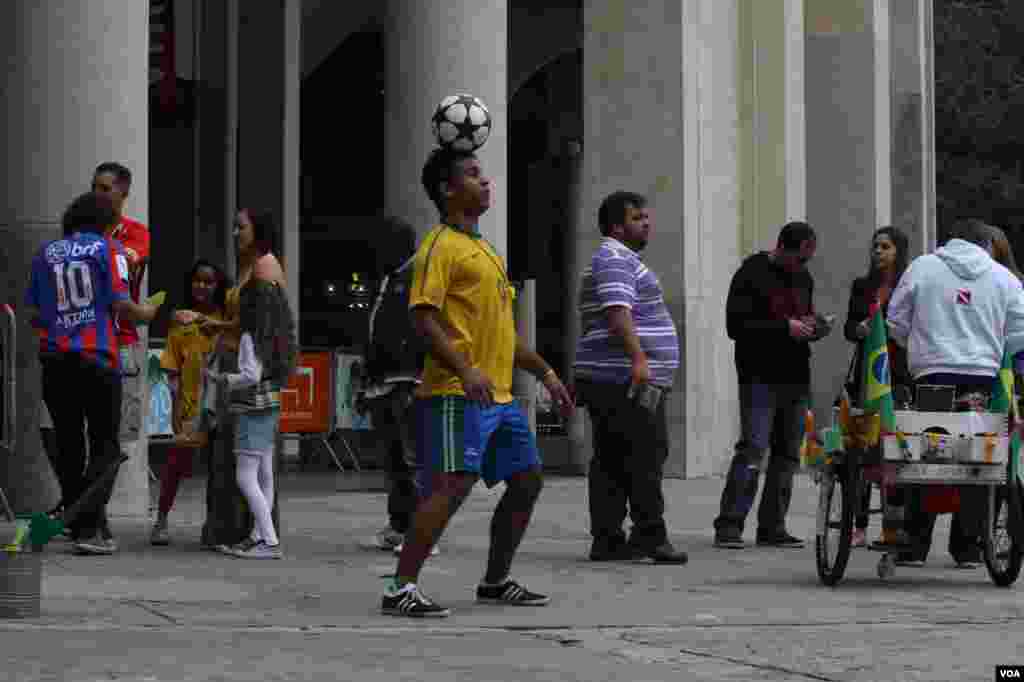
[(410, 602), (510, 592)]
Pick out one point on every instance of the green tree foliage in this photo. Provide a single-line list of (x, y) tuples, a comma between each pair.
[(979, 108)]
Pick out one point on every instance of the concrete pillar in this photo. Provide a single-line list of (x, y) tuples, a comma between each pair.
[(72, 98), (260, 73), (849, 179), (434, 50), (232, 14), (913, 122), (633, 139), (291, 208), (524, 385), (711, 211), (772, 120), (269, 72)]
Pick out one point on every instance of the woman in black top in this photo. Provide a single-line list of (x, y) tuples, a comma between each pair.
[(889, 246)]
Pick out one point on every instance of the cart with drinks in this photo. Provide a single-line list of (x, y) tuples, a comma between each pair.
[(930, 449)]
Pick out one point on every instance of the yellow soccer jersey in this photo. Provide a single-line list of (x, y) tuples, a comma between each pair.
[(463, 277), (186, 351)]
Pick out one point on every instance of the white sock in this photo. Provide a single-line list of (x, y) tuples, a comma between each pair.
[(395, 588)]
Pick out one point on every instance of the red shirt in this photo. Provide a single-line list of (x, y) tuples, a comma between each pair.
[(134, 237)]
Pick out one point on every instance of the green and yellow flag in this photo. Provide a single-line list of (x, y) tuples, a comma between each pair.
[(1003, 399), (876, 388)]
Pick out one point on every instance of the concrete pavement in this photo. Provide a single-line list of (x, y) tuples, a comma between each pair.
[(178, 613)]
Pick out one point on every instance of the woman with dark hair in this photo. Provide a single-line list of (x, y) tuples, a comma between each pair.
[(188, 349), (889, 247), (227, 520), (266, 359), (1002, 252)]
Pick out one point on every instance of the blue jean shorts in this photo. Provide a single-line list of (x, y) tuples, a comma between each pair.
[(255, 432)]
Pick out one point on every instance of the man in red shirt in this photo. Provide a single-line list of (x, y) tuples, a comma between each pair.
[(114, 180)]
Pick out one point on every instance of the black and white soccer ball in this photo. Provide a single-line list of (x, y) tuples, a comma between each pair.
[(461, 122)]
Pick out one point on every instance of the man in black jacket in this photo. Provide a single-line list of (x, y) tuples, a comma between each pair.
[(770, 316), (394, 363)]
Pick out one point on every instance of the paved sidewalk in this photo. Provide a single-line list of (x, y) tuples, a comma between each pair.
[(179, 613)]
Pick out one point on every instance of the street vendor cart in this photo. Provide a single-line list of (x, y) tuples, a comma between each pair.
[(970, 448)]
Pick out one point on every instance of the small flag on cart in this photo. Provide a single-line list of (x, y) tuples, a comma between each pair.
[(876, 391), (1015, 467), (1004, 400)]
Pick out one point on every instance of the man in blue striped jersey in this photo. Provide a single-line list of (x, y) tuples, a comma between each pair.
[(626, 360)]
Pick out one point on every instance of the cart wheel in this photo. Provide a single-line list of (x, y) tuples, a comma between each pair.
[(836, 500), (1003, 555), (1015, 519), (886, 566)]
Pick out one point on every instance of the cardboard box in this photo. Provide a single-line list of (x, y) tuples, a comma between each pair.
[(955, 423), (892, 451), (984, 450)]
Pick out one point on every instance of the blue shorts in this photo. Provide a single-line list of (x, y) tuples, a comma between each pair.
[(255, 432), (455, 434)]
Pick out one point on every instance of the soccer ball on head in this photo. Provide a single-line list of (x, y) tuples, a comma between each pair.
[(461, 122)]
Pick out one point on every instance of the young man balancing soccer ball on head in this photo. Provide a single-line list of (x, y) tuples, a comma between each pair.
[(468, 424)]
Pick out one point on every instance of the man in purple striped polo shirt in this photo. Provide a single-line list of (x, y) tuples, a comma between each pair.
[(626, 360)]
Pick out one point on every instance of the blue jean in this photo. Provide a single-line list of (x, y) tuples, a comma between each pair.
[(771, 419)]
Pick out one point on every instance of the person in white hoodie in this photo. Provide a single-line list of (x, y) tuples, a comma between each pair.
[(956, 311)]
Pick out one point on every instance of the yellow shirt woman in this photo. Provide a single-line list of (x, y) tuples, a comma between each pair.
[(188, 346)]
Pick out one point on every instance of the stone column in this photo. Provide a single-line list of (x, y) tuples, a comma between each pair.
[(290, 180), (913, 122), (260, 74), (524, 385), (849, 179), (712, 210), (640, 134), (434, 50), (772, 120), (72, 98)]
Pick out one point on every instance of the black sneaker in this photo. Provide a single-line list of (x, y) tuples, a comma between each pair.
[(243, 545), (667, 554), (602, 550), (727, 541), (95, 546), (784, 540), (909, 560), (511, 593), (410, 602)]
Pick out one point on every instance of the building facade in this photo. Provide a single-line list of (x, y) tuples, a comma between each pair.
[(733, 116)]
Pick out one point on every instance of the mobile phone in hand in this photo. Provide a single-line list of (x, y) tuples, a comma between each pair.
[(646, 396)]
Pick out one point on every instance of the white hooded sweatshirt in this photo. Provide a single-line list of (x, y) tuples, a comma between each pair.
[(953, 310)]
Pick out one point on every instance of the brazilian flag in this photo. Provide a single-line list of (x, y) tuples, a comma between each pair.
[(1003, 399), (876, 387), (1014, 470)]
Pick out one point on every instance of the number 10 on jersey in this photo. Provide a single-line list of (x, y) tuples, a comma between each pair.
[(74, 285)]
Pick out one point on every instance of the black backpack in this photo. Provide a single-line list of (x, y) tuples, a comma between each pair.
[(393, 347)]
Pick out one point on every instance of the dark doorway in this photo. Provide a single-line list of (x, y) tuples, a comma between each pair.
[(342, 159), (546, 125)]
